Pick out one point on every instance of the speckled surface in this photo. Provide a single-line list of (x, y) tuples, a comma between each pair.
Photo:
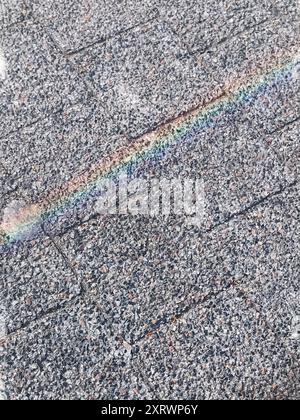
[(138, 74), (286, 143), (13, 12), (149, 72), (136, 307), (203, 25), (43, 283), (224, 156), (64, 145), (233, 342), (77, 25), (39, 80)]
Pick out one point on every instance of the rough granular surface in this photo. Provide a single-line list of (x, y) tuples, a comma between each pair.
[(149, 200)]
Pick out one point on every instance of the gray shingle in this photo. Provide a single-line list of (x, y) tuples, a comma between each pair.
[(48, 154), (146, 73), (287, 145), (203, 25), (13, 12), (146, 271), (76, 25), (222, 349), (39, 80), (133, 307), (61, 354), (139, 77), (253, 252), (37, 280)]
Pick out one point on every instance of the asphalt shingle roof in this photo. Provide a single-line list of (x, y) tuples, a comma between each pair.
[(107, 306)]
